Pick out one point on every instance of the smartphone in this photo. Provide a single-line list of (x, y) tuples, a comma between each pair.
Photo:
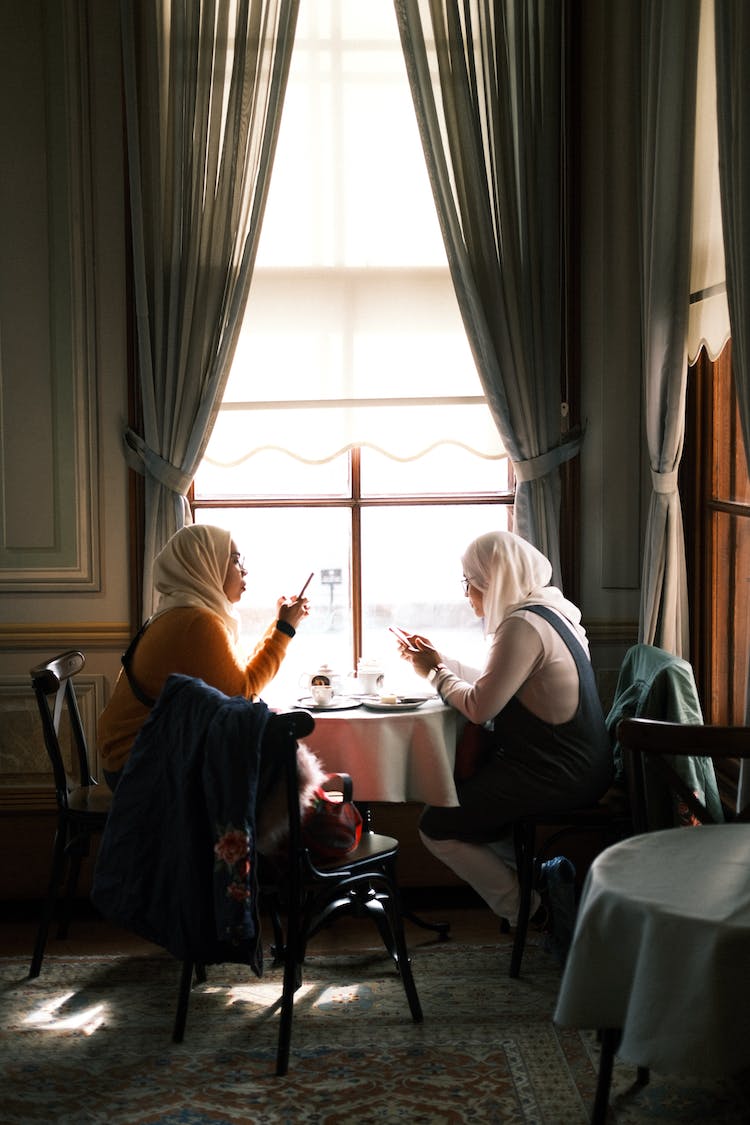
[(403, 636), (307, 583)]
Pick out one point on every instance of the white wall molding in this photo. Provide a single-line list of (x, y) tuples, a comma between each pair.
[(50, 637)]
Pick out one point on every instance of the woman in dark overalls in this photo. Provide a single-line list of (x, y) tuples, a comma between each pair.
[(549, 747)]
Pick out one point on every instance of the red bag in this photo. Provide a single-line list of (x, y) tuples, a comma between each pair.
[(472, 750), (332, 826)]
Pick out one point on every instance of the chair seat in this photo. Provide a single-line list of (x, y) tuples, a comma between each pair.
[(371, 846), (91, 800), (586, 815)]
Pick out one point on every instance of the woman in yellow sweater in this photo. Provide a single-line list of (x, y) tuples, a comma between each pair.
[(199, 575)]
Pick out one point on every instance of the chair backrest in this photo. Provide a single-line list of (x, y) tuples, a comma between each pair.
[(56, 698), (654, 750), (282, 734)]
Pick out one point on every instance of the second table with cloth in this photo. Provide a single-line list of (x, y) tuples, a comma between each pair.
[(661, 950)]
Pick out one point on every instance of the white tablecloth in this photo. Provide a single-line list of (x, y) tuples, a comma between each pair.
[(662, 950), (393, 756)]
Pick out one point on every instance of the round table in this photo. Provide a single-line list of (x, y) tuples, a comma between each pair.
[(392, 756), (661, 950)]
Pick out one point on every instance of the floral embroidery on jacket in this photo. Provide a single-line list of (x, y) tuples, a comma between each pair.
[(232, 851)]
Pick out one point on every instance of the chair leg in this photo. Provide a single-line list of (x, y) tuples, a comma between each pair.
[(183, 999), (294, 955), (48, 909), (404, 962), (74, 869), (385, 906), (524, 841), (610, 1038)]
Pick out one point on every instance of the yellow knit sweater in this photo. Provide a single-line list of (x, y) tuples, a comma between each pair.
[(193, 642)]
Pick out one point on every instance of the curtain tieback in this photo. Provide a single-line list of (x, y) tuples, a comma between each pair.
[(143, 460), (541, 466), (664, 482)]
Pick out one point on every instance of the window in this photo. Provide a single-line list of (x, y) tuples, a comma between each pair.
[(720, 540), (354, 440), (716, 494)]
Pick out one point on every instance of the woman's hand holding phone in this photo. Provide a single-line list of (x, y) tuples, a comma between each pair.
[(418, 650), (292, 610), (403, 638), (307, 583)]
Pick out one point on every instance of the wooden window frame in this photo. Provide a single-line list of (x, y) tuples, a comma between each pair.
[(713, 476), (356, 502)]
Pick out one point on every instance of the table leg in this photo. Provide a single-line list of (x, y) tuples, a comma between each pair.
[(442, 929), (609, 1038)]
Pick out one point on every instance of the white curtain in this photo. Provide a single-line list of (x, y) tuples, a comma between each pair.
[(204, 86), (708, 325), (488, 87), (669, 46)]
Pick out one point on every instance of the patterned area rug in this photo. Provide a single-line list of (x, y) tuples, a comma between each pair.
[(90, 1041)]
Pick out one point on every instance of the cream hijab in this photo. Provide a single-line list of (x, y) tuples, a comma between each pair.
[(512, 574), (190, 571)]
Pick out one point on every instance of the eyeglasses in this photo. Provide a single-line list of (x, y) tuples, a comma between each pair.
[(465, 583), (238, 560)]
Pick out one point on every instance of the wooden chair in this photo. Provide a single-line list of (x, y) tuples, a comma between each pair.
[(82, 804), (311, 894), (659, 794), (653, 684), (609, 820)]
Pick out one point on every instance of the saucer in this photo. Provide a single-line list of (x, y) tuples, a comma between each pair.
[(338, 703), (403, 703)]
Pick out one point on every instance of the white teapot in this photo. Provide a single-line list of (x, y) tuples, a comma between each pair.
[(323, 676)]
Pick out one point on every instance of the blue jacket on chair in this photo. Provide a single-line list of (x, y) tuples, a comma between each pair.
[(177, 861)]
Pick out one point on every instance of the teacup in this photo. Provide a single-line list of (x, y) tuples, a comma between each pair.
[(322, 694), (369, 680)]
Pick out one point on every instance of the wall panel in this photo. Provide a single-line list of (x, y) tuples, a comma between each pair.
[(48, 415)]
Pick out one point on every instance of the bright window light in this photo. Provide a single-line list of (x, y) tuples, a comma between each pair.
[(354, 429)]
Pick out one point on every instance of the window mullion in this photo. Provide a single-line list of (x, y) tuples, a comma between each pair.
[(356, 487)]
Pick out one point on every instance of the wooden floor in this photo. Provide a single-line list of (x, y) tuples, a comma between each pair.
[(471, 922)]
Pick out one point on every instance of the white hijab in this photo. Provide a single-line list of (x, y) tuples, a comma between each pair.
[(190, 571), (512, 574)]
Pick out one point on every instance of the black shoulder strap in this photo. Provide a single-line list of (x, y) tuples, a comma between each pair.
[(127, 659), (563, 628)]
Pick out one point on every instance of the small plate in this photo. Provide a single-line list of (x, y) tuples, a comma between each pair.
[(404, 703), (338, 703)]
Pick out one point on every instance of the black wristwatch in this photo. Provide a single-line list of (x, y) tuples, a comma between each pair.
[(433, 673)]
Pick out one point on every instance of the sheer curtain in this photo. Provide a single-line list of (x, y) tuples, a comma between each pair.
[(669, 49), (204, 86), (487, 83)]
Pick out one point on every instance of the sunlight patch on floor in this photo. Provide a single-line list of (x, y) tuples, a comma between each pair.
[(48, 1016), (327, 999)]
